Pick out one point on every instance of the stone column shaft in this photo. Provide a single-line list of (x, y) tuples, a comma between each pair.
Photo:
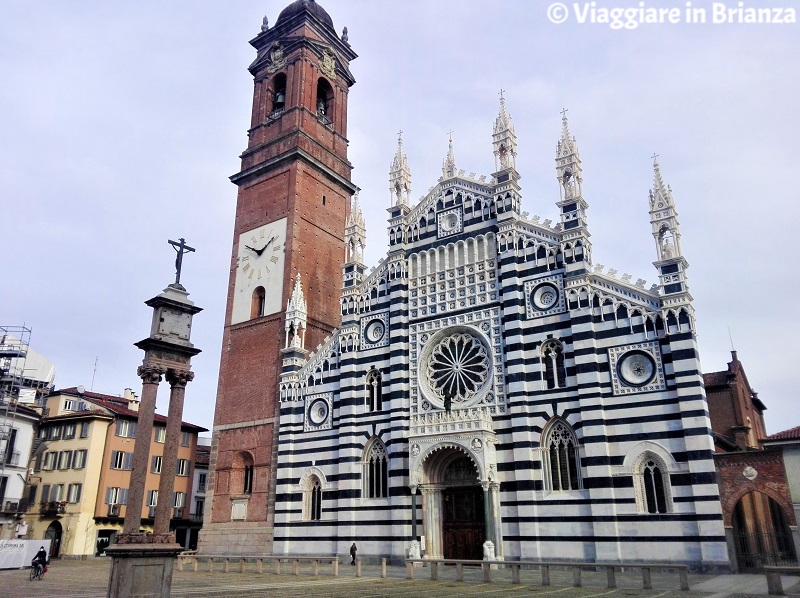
[(166, 485), (151, 376)]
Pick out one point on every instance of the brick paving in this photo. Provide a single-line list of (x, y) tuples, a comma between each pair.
[(89, 579)]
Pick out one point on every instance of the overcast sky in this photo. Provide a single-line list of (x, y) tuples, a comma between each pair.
[(121, 122)]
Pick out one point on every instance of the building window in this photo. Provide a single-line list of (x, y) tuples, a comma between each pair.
[(199, 507), (312, 499), (324, 103), (374, 391), (258, 302), (160, 434), (279, 94), (186, 438), (32, 494), (116, 496), (560, 457), (74, 493), (69, 431), (182, 467), (553, 372), (652, 485), (11, 456), (64, 459), (178, 503), (70, 405), (56, 492), (374, 471), (248, 479), (50, 460), (126, 428), (79, 460), (155, 464), (45, 493), (121, 460), (84, 429), (201, 482), (152, 501)]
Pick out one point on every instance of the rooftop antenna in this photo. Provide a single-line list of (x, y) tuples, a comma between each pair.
[(94, 373)]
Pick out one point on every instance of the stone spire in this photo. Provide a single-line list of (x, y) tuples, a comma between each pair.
[(664, 217), (568, 162), (670, 263), (449, 163), (296, 316), (400, 176), (355, 233), (572, 206), (504, 139)]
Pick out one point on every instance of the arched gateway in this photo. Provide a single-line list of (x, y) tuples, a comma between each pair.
[(456, 475)]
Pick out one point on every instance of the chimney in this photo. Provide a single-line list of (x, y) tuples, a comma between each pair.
[(132, 398)]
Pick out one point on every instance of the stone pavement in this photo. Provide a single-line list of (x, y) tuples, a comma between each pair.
[(89, 579)]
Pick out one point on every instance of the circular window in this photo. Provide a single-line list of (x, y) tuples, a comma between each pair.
[(374, 331), (449, 221), (455, 364), (318, 412), (636, 368), (544, 296)]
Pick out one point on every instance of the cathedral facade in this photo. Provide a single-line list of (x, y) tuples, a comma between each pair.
[(486, 391)]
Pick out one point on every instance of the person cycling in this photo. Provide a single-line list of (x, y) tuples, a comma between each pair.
[(40, 560)]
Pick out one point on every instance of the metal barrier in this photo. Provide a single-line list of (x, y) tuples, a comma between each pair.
[(544, 567), (194, 561)]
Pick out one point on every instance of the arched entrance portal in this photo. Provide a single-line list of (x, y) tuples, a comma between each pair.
[(53, 534), (459, 511), (761, 532)]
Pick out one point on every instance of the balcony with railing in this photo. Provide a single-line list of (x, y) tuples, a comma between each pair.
[(14, 507), (52, 508)]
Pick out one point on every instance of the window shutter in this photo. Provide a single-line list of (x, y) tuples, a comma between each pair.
[(114, 459), (123, 496), (128, 461), (54, 492), (45, 492), (108, 496)]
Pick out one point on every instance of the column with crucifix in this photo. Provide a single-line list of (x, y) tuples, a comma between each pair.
[(143, 562)]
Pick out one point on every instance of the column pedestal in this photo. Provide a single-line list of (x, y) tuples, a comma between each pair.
[(141, 570)]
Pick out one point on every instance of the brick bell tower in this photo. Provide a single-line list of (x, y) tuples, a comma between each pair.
[(293, 202)]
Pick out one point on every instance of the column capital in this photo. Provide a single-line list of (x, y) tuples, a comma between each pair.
[(150, 374), (179, 378)]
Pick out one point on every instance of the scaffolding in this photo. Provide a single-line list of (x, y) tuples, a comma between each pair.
[(14, 343)]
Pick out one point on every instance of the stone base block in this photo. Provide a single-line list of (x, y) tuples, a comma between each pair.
[(141, 570)]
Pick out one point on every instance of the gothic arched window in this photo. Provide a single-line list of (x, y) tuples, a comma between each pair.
[(652, 485), (375, 470), (553, 371), (560, 457), (312, 498), (374, 392)]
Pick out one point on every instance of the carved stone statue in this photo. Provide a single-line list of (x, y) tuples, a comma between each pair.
[(265, 24), (344, 35)]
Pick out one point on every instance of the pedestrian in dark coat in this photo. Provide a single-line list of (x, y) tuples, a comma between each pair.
[(353, 551)]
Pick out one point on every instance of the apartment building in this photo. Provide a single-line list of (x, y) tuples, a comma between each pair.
[(82, 473)]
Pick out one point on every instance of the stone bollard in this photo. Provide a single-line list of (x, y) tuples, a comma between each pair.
[(180, 564), (647, 582), (315, 567), (611, 578), (576, 577), (409, 570), (211, 565), (774, 584), (296, 567), (358, 567), (487, 572), (241, 565), (684, 573), (545, 575), (335, 564), (225, 565), (383, 568), (459, 571), (515, 579), (434, 571), (260, 565), (195, 564), (277, 566)]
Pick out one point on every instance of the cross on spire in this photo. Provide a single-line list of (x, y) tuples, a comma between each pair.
[(502, 91), (181, 247), (450, 133), (564, 112), (655, 157), (400, 136)]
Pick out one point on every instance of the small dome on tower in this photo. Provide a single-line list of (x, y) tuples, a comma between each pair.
[(309, 6)]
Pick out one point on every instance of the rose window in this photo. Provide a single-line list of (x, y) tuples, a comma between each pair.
[(458, 367)]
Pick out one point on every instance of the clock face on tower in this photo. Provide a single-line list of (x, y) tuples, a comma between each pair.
[(258, 290)]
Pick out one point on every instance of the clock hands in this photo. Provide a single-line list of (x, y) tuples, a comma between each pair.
[(258, 252)]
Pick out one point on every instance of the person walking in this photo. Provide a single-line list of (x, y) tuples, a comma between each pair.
[(353, 551)]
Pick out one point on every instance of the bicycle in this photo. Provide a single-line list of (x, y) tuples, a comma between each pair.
[(37, 571)]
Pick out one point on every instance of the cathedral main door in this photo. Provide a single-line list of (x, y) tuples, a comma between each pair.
[(463, 525)]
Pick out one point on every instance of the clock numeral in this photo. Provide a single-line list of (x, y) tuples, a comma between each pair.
[(277, 248), (262, 233), (244, 258), (252, 271), (274, 259), (253, 239), (246, 267)]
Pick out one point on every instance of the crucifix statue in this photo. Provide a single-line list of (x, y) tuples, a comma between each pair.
[(181, 247)]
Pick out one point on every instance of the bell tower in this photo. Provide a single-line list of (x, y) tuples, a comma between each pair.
[(291, 212)]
